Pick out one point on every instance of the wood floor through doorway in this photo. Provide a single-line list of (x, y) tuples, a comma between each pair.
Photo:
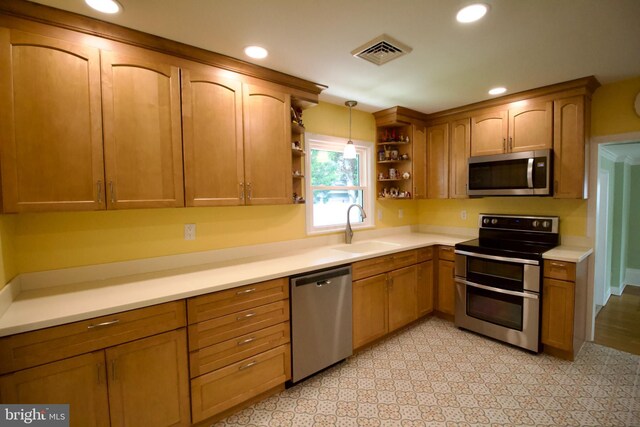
[(618, 323)]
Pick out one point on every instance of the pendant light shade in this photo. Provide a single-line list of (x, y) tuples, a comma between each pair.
[(349, 149)]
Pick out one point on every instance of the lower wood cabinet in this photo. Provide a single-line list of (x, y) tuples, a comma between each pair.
[(370, 320), (143, 382), (390, 292), (564, 301), (238, 346), (80, 381), (149, 381), (446, 281)]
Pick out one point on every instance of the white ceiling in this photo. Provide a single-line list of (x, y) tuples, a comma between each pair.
[(520, 44)]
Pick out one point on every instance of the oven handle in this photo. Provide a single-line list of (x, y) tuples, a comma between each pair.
[(498, 258), (498, 290)]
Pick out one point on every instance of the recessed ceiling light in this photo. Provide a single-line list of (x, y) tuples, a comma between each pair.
[(472, 13), (497, 90), (256, 52), (105, 6)]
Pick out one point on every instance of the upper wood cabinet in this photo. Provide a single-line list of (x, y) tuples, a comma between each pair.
[(489, 132), (419, 162), (459, 156), (524, 126), (142, 141), (438, 161), (267, 142), (51, 131), (570, 136), (212, 138)]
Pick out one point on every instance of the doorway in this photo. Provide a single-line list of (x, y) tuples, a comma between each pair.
[(616, 275)]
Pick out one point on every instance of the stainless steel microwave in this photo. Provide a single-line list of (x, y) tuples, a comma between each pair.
[(515, 174)]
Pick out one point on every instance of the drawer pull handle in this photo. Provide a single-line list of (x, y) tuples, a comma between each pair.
[(558, 264), (247, 341), (247, 366), (103, 324), (446, 249), (246, 291), (246, 316)]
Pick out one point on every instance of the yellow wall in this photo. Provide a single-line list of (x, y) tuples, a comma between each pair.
[(572, 213), (612, 109), (8, 268)]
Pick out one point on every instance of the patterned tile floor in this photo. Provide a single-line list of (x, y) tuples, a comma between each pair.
[(434, 374)]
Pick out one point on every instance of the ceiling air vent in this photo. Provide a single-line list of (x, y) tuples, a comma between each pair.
[(381, 50)]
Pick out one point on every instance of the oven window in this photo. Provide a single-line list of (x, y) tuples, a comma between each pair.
[(493, 307), (498, 274)]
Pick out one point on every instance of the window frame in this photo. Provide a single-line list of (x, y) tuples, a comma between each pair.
[(366, 172)]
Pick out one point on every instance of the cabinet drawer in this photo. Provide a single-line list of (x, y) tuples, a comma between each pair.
[(371, 267), (404, 259), (221, 303), (227, 352), (59, 342), (560, 270), (446, 253), (425, 254), (225, 388), (234, 325)]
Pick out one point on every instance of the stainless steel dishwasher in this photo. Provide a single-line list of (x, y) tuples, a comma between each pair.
[(321, 332)]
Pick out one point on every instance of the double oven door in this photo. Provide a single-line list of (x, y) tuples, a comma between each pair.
[(499, 297)]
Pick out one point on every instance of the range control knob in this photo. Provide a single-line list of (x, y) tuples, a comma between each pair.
[(546, 224), (494, 221), (536, 223), (485, 221)]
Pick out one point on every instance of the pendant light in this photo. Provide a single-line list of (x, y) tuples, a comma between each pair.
[(350, 149)]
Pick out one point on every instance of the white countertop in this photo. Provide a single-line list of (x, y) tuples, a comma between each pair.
[(568, 253), (43, 307), (36, 307)]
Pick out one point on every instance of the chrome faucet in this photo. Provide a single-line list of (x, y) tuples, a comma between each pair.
[(348, 232)]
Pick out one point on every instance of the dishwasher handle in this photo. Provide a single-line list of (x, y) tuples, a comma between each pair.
[(322, 278)]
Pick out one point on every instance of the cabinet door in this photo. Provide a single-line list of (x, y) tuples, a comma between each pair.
[(446, 287), (51, 131), (570, 135), (403, 308), (489, 133), (369, 309), (149, 381), (459, 158), (425, 288), (531, 126), (212, 134), (142, 141), (267, 141), (79, 381), (438, 161), (419, 162), (558, 299)]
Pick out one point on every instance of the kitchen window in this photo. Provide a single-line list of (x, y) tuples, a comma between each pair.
[(335, 183)]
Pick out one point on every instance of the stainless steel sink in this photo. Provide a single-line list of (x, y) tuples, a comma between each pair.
[(366, 247)]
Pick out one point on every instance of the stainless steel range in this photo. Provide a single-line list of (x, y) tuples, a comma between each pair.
[(499, 277)]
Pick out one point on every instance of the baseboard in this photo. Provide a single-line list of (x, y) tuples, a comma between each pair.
[(632, 276)]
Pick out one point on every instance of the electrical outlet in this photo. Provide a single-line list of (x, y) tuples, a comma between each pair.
[(400, 213), (463, 214), (379, 214), (189, 232)]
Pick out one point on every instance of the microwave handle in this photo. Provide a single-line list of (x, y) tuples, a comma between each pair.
[(530, 173)]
